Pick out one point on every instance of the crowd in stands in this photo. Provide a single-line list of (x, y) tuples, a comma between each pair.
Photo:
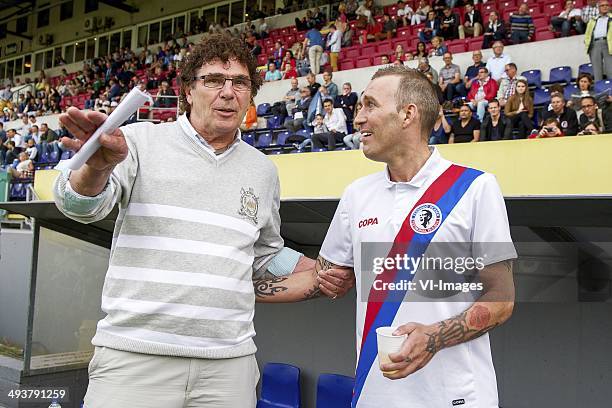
[(489, 101)]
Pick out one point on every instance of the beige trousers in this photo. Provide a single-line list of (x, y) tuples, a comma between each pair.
[(124, 379)]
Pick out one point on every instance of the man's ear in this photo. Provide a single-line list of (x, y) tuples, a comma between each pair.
[(188, 95), (409, 115)]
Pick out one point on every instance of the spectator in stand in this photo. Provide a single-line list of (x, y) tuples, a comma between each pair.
[(550, 128), (421, 50), (483, 90), (303, 23), (399, 54), (598, 40), (319, 17), (590, 11), (389, 28), (496, 64), (292, 96), (332, 88), (313, 42), (569, 18), (471, 72), (273, 74), (521, 25), (365, 13), (25, 168), (431, 29), (494, 31), (262, 29), (33, 134), (279, 53), (507, 85), (384, 60), (584, 82), (296, 120), (472, 26), (15, 137), (319, 129), (465, 128), (288, 67), (438, 48), (347, 101), (3, 140), (449, 26), (256, 49), (6, 94), (439, 93), (441, 129), (519, 109), (404, 12), (10, 153), (47, 137), (351, 9), (438, 6), (494, 126), (250, 118), (166, 97), (567, 117), (450, 77), (313, 85), (335, 121), (334, 44), (341, 18), (590, 129), (31, 150), (420, 14), (590, 113), (425, 68)]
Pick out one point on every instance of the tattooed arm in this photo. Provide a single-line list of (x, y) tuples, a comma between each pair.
[(322, 279), (492, 309)]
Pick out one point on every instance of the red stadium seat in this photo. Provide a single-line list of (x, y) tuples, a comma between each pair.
[(377, 60), (456, 46), (293, 29), (352, 53), (368, 51), (289, 40), (475, 43), (347, 64), (508, 12), (404, 33), (301, 35), (552, 9), (262, 59), (487, 8), (363, 62), (544, 35), (386, 47), (504, 4), (540, 22)]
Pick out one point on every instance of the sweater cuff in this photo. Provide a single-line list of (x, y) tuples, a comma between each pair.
[(77, 203)]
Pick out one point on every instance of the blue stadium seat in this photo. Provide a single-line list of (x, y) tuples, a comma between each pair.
[(588, 68), (603, 85), (44, 157), (297, 151), (534, 77), (249, 138), (264, 139), (66, 155), (541, 97), (305, 133), (280, 386), (275, 122), (18, 191), (569, 90), (334, 391), (54, 156), (560, 75), (319, 149), (263, 109), (282, 137)]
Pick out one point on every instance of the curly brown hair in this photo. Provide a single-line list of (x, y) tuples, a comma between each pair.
[(216, 47)]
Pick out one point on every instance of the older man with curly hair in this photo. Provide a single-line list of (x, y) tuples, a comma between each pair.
[(190, 254)]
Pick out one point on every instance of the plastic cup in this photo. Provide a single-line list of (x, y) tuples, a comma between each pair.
[(387, 344)]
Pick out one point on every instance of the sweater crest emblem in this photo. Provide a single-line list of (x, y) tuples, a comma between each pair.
[(249, 204)]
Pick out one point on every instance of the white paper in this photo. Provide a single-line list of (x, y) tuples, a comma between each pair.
[(128, 106)]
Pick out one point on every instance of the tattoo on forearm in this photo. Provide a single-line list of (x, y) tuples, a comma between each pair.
[(315, 292), (457, 330), (323, 264), (269, 287)]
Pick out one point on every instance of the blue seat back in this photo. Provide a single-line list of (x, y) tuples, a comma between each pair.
[(249, 138), (560, 74), (275, 122), (541, 97), (534, 77), (66, 155), (304, 133), (280, 386), (264, 139), (54, 156), (603, 85), (570, 90), (587, 68), (263, 109), (334, 391), (282, 137)]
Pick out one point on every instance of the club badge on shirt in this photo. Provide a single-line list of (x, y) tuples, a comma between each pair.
[(426, 218), (249, 204)]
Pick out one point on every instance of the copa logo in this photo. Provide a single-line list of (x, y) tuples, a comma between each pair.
[(368, 221)]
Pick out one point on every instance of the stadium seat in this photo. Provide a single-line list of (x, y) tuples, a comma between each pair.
[(66, 155), (504, 4), (263, 109), (385, 47), (347, 64), (53, 156), (319, 149), (545, 34), (569, 90), (280, 386), (363, 62), (262, 59), (588, 68), (264, 139), (249, 138), (275, 122), (475, 43), (377, 60), (534, 77), (486, 9), (352, 53), (404, 32), (368, 51), (456, 47), (603, 85), (334, 391), (559, 75), (541, 22), (552, 9), (304, 133), (541, 97), (282, 137)]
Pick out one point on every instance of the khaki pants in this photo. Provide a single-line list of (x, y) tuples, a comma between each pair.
[(124, 379), (333, 60)]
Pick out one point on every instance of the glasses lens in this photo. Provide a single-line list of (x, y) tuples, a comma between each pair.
[(241, 83), (214, 81)]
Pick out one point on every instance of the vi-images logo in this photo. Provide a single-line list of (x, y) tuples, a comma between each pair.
[(458, 402)]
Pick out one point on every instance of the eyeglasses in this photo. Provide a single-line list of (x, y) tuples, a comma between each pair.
[(217, 81), (587, 106)]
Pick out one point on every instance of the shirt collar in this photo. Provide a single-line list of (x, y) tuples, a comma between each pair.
[(188, 128), (422, 175)]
